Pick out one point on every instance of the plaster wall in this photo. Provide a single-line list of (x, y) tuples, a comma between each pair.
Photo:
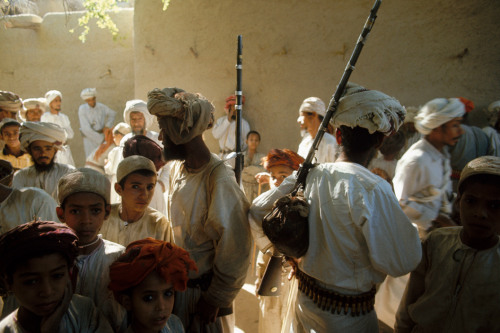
[(36, 61), (292, 49)]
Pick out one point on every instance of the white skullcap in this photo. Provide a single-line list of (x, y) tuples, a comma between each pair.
[(10, 101), (133, 163), (8, 121), (137, 105), (88, 93), (32, 103), (32, 131), (494, 112), (313, 104), (437, 112), (51, 95), (489, 165), (370, 109), (84, 180), (122, 128)]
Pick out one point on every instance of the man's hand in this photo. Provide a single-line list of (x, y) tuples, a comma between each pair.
[(263, 178), (206, 312), (231, 115), (52, 322)]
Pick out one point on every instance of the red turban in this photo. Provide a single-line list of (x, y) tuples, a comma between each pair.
[(231, 100), (143, 146), (146, 255), (282, 157), (469, 105)]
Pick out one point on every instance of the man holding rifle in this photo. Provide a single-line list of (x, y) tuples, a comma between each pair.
[(357, 231)]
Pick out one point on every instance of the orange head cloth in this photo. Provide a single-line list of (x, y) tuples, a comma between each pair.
[(231, 100), (146, 255), (469, 105), (285, 157)]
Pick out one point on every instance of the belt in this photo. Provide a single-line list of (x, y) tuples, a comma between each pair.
[(329, 300), (204, 282)]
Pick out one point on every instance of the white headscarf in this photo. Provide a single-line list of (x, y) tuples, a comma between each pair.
[(88, 93), (32, 131), (137, 105), (32, 103), (437, 112), (10, 101), (122, 128), (51, 95)]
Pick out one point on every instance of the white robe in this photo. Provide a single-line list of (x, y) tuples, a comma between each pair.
[(63, 155), (328, 149), (92, 121), (225, 132)]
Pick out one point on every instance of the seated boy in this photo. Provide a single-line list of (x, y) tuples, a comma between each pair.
[(84, 205), (35, 265), (133, 219), (144, 279), (12, 152), (456, 287), (252, 166)]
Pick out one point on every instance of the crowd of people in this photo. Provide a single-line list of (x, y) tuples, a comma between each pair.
[(401, 210)]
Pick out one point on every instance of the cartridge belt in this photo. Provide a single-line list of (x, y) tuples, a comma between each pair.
[(329, 300)]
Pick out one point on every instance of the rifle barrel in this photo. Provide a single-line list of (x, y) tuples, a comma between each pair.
[(238, 107)]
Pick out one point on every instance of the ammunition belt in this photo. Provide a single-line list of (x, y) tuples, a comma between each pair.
[(329, 300)]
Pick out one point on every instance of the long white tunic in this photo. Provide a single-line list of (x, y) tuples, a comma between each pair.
[(422, 183), (46, 180), (63, 155), (92, 121), (24, 205), (328, 149), (225, 132)]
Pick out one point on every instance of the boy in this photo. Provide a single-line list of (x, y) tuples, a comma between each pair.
[(36, 263), (144, 279), (252, 166), (84, 205), (133, 219), (456, 287), (12, 152)]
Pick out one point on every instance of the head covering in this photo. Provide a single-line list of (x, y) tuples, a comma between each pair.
[(122, 128), (32, 239), (137, 105), (370, 109), (437, 112), (51, 95), (185, 115), (88, 93), (10, 101), (469, 105), (231, 100), (8, 121), (144, 146), (484, 165), (33, 131), (131, 164), (6, 173), (493, 113), (144, 256), (32, 103), (313, 104), (285, 157), (84, 180), (411, 113)]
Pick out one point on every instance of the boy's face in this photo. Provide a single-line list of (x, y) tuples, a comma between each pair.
[(39, 284), (279, 173), (85, 213), (151, 303), (253, 141), (137, 191), (480, 211), (117, 138), (10, 134), (34, 114), (56, 103)]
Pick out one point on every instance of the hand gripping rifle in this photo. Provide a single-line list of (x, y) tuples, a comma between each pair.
[(286, 225), (238, 107)]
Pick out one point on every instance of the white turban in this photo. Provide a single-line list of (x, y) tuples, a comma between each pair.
[(437, 112), (32, 131), (186, 115), (84, 180), (313, 104), (122, 128), (51, 95), (494, 112), (88, 93), (32, 103), (369, 109), (133, 163), (137, 105), (411, 113), (10, 101)]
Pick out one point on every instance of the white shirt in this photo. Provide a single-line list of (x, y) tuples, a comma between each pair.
[(225, 132), (328, 149), (92, 121)]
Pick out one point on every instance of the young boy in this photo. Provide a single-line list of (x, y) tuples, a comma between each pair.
[(12, 152), (456, 287), (144, 279), (35, 265), (133, 219), (251, 166), (84, 205), (385, 164)]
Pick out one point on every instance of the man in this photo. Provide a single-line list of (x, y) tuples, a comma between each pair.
[(422, 182), (55, 116), (493, 130), (352, 244), (312, 111), (33, 109), (42, 140), (95, 120), (10, 104), (207, 209), (225, 128)]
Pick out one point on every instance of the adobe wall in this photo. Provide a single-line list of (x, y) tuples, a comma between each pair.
[(292, 49), (35, 61)]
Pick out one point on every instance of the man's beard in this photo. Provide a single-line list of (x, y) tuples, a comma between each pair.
[(140, 131), (174, 152), (44, 167)]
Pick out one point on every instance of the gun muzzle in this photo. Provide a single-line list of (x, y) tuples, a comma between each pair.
[(271, 281)]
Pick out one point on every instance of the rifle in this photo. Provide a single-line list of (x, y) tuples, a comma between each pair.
[(278, 215), (238, 107)]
